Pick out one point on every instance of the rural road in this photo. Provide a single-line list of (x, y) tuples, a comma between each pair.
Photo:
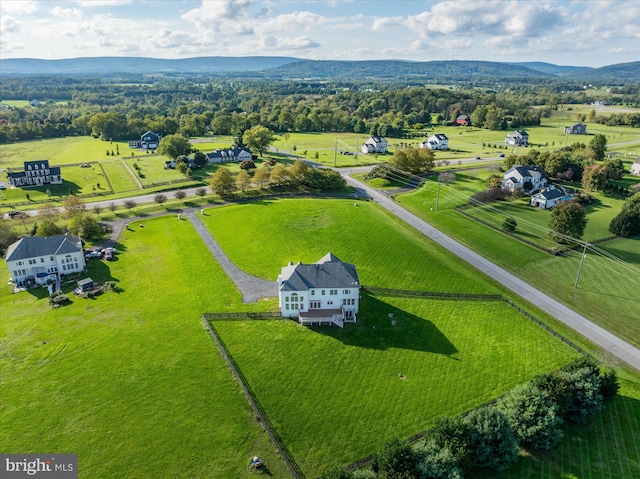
[(603, 338)]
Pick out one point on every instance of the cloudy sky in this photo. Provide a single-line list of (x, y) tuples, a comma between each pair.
[(573, 32)]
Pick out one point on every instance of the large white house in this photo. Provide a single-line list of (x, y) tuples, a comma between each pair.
[(41, 259), (228, 155), (439, 141), (323, 293), (517, 138), (375, 144), (635, 167), (529, 178)]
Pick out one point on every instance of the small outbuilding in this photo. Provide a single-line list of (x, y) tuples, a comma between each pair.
[(85, 285)]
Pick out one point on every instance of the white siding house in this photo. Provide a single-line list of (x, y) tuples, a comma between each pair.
[(576, 129), (375, 144), (517, 138), (439, 141), (635, 168), (549, 197), (228, 155), (520, 176), (323, 293), (38, 259)]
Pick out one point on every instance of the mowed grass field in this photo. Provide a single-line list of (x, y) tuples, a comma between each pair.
[(336, 395), (263, 236), (131, 381), (607, 292)]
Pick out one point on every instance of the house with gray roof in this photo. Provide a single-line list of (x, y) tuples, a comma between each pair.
[(148, 141), (517, 138), (549, 197), (439, 141), (36, 173), (375, 144), (324, 293), (576, 129), (530, 178), (229, 155), (44, 259)]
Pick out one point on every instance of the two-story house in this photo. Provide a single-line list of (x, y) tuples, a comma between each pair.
[(323, 293), (576, 129), (439, 141), (43, 259), (36, 173), (529, 178), (375, 144), (148, 141), (517, 138)]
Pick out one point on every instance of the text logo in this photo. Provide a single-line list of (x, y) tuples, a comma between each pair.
[(44, 466)]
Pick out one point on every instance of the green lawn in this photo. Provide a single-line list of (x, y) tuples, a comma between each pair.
[(119, 175), (607, 292), (335, 395), (131, 382), (263, 236)]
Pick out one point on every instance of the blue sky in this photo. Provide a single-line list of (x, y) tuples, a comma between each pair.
[(573, 32)]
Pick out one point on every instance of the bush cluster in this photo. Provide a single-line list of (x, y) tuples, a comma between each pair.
[(529, 416)]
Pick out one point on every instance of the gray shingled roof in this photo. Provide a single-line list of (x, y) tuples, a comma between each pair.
[(328, 272), (34, 246)]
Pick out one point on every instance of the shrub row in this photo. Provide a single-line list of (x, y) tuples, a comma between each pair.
[(530, 416)]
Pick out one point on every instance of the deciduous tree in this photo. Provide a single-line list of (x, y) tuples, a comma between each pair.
[(413, 160), (258, 138), (567, 219), (174, 146), (242, 180), (222, 182)]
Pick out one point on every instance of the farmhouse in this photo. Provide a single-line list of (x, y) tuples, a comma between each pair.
[(549, 197), (375, 144), (148, 141), (517, 138), (38, 259), (228, 155), (529, 178), (36, 173), (635, 167), (439, 141), (576, 129), (323, 293), (463, 120)]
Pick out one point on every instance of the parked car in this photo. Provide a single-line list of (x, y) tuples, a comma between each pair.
[(109, 250), (477, 157), (501, 155), (3, 186), (108, 256), (93, 254), (13, 214)]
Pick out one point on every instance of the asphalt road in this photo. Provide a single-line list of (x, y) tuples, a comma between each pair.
[(603, 338)]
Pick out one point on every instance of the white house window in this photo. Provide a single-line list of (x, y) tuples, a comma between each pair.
[(51, 258), (323, 292), (313, 292), (42, 260)]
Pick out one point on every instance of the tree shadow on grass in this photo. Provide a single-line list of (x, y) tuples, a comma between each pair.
[(375, 330)]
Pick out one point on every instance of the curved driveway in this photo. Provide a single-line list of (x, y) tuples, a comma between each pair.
[(603, 338)]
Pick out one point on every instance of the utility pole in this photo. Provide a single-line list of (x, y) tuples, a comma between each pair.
[(438, 197), (584, 255), (335, 154)]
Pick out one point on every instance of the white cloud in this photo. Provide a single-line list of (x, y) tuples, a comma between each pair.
[(102, 3), (19, 7), (387, 23), (8, 24), (290, 21), (70, 13)]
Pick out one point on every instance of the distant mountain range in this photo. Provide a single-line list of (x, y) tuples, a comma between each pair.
[(297, 68)]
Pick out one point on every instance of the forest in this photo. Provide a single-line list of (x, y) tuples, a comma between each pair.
[(121, 110)]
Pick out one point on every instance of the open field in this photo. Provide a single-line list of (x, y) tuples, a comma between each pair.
[(263, 236), (335, 395), (607, 292), (131, 382)]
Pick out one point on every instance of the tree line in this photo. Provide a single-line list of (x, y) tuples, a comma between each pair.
[(114, 111)]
